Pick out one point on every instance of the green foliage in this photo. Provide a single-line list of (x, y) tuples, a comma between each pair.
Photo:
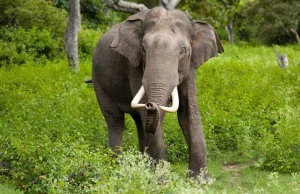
[(30, 13), (30, 30), (94, 14), (274, 19), (54, 138), (138, 173), (251, 107), (219, 14), (87, 40), (42, 125), (6, 186), (19, 46)]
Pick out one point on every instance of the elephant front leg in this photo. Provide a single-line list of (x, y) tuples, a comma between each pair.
[(154, 143), (140, 130), (113, 116), (115, 128), (191, 126)]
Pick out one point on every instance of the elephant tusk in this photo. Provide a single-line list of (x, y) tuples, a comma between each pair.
[(175, 102), (137, 99)]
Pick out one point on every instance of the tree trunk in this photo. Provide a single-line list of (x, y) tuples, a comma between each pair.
[(229, 29), (71, 42), (294, 30)]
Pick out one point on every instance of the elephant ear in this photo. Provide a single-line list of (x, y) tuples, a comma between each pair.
[(205, 45), (128, 40)]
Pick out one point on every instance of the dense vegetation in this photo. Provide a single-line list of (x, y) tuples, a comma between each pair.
[(53, 136)]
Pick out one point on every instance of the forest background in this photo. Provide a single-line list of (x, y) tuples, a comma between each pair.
[(53, 136)]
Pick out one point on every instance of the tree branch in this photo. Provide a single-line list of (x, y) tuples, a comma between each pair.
[(129, 7), (124, 6)]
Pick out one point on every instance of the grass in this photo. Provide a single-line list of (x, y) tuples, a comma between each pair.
[(244, 178), (54, 136), (6, 187)]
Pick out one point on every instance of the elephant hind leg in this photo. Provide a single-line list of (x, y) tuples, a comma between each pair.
[(114, 118)]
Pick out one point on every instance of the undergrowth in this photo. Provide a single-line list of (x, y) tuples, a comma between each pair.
[(53, 136)]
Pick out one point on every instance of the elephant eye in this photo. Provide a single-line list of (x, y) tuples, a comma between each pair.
[(182, 50)]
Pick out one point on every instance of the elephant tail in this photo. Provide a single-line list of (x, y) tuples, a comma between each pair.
[(88, 81)]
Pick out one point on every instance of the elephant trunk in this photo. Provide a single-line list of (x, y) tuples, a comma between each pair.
[(158, 96), (152, 117), (155, 106)]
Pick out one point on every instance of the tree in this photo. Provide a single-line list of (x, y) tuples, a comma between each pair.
[(227, 13), (232, 14), (276, 17), (71, 42), (93, 13), (32, 13)]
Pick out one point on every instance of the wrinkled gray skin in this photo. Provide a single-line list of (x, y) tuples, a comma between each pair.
[(160, 50)]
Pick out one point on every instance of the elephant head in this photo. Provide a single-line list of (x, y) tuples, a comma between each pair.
[(166, 44)]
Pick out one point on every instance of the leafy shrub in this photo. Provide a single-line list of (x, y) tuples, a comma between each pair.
[(9, 54), (138, 173), (250, 107), (19, 45), (87, 40), (30, 30), (33, 13), (42, 139)]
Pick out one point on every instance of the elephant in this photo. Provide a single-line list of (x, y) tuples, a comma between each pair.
[(144, 64)]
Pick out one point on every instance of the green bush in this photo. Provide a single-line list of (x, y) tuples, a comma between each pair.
[(87, 40), (250, 106), (33, 13), (44, 132), (9, 55), (30, 30), (20, 45), (138, 173)]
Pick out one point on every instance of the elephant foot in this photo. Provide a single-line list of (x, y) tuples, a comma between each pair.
[(202, 177)]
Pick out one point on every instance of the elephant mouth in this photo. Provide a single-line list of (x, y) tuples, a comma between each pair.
[(153, 111), (175, 101)]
